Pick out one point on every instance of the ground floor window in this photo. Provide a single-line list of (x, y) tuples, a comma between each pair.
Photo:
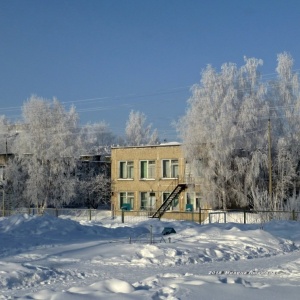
[(127, 200), (193, 201), (147, 200), (175, 202)]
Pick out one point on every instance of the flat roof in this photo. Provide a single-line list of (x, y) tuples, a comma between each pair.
[(169, 144)]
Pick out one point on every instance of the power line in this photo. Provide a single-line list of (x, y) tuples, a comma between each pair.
[(110, 98), (142, 95)]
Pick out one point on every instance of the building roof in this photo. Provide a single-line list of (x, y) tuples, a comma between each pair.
[(169, 144)]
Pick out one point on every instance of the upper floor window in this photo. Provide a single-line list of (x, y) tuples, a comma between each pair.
[(170, 168), (147, 169), (126, 169)]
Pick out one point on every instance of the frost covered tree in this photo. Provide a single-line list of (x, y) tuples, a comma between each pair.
[(225, 131), (137, 132), (221, 112), (7, 134), (16, 177), (96, 138), (3, 133), (48, 146), (284, 114), (94, 191)]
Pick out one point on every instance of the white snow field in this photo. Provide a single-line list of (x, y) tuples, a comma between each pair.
[(44, 257)]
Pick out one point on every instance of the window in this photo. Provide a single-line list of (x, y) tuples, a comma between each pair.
[(170, 168), (126, 170), (147, 169), (193, 199), (147, 200), (127, 199), (175, 202), (189, 198)]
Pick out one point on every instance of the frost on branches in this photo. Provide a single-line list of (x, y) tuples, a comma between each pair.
[(96, 138), (44, 169), (137, 133), (48, 147), (225, 134)]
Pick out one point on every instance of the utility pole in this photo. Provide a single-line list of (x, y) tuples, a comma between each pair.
[(3, 202), (270, 162), (6, 148)]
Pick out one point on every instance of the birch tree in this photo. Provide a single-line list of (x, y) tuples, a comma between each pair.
[(94, 191), (221, 113), (226, 127), (96, 138), (137, 132), (284, 115), (50, 144), (16, 178)]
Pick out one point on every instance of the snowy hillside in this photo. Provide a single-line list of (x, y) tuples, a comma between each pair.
[(54, 258)]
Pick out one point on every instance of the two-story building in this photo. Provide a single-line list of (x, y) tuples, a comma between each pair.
[(146, 177)]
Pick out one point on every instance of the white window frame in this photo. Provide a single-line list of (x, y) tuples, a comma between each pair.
[(145, 202), (128, 170), (126, 197), (150, 168), (172, 168), (195, 199)]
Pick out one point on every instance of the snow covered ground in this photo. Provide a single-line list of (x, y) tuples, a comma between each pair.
[(56, 258)]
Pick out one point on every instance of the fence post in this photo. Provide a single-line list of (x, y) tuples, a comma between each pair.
[(112, 211), (3, 203), (56, 212), (151, 235), (294, 215), (200, 219), (122, 215), (90, 214), (244, 216)]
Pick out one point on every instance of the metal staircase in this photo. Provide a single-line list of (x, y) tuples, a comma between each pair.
[(167, 203)]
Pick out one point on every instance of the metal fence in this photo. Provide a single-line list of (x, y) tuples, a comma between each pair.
[(206, 216), (131, 216), (251, 216), (202, 216), (71, 213)]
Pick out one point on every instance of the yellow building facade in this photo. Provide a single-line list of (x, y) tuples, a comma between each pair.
[(143, 177)]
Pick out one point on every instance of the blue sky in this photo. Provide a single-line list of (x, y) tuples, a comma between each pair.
[(108, 57)]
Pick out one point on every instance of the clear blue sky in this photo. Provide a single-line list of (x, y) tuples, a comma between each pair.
[(133, 54)]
